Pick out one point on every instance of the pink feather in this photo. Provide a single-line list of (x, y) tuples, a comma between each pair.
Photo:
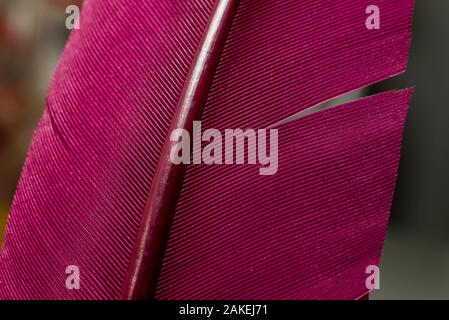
[(307, 232)]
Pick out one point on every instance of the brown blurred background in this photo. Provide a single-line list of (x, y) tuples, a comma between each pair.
[(415, 263)]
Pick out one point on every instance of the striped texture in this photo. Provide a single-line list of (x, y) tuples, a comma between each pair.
[(91, 162), (307, 232), (285, 56), (237, 235), (93, 156)]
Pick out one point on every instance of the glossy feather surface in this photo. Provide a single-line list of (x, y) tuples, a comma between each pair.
[(299, 234)]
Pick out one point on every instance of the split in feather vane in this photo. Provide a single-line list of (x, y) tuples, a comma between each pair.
[(308, 231)]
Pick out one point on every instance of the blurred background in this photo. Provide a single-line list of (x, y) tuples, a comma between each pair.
[(415, 263), (32, 37)]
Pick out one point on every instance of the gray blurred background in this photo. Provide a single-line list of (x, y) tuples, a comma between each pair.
[(415, 264)]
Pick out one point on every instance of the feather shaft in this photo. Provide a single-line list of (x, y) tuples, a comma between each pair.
[(161, 204)]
